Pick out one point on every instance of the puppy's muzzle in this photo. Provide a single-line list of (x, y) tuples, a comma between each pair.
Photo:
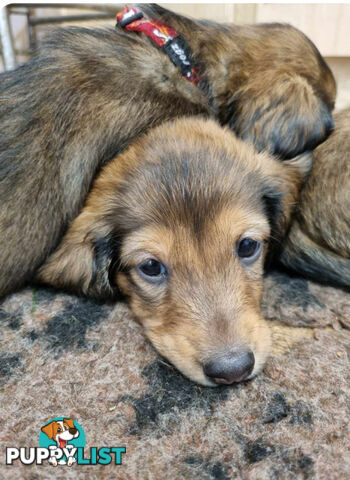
[(230, 367), (73, 431)]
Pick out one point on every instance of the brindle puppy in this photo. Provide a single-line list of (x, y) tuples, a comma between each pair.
[(318, 244), (86, 94), (180, 223)]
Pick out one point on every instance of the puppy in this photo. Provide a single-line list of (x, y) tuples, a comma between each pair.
[(318, 244), (181, 224), (87, 94), (61, 431)]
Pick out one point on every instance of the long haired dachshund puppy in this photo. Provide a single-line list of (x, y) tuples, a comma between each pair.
[(87, 94), (180, 223), (318, 244)]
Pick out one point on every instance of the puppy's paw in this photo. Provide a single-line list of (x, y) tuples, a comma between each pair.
[(53, 462), (279, 113), (285, 337)]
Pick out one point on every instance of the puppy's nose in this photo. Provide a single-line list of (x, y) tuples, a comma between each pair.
[(233, 366), (73, 431)]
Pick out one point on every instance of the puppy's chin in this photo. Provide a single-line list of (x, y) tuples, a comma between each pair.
[(179, 351)]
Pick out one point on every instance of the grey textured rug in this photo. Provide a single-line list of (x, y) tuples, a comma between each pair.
[(65, 356)]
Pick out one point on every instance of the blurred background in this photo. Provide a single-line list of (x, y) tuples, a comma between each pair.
[(327, 25)]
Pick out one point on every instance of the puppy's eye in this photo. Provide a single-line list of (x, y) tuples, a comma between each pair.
[(153, 271), (248, 250), (59, 430)]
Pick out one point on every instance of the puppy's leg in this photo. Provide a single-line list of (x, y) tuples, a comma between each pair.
[(280, 112), (284, 337)]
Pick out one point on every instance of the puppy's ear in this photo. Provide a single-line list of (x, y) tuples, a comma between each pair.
[(48, 429), (69, 422), (280, 113), (281, 188), (84, 261)]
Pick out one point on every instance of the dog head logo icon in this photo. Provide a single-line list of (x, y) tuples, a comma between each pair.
[(59, 435), (61, 431)]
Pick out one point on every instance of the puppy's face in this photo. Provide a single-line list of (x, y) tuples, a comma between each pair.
[(180, 223), (196, 290)]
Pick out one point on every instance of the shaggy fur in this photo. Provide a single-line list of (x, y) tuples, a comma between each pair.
[(318, 244), (184, 195), (86, 94)]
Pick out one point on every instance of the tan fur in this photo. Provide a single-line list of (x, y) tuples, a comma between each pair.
[(285, 337), (184, 194)]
